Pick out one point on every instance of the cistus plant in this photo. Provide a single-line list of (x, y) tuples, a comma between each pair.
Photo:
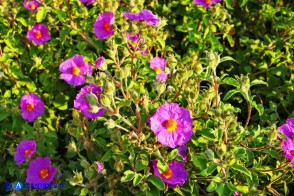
[(150, 97)]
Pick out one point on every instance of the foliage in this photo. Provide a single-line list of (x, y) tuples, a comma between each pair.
[(230, 65)]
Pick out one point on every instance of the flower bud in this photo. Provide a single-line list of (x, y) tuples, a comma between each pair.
[(105, 101), (110, 124), (71, 147), (134, 95), (209, 154), (110, 88), (119, 165), (161, 88), (222, 149), (119, 74), (76, 179), (133, 137), (84, 163), (198, 68)]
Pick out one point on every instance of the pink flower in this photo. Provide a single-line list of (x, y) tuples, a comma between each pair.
[(25, 149), (145, 15), (102, 25), (99, 61), (99, 166), (206, 3), (88, 2), (39, 34), (31, 5), (31, 106), (158, 65)]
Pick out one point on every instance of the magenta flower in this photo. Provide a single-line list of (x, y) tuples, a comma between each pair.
[(175, 175), (99, 61), (31, 106), (39, 34), (99, 166), (182, 151), (288, 128), (74, 69), (88, 101), (88, 2), (145, 15), (40, 171), (136, 42), (206, 3), (158, 65), (25, 149), (237, 193), (288, 148), (31, 5), (172, 124), (102, 25)]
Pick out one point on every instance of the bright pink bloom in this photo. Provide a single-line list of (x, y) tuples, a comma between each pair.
[(103, 25), (39, 34), (31, 5)]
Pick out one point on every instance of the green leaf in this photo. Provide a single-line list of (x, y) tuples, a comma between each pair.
[(255, 82), (231, 81), (84, 192), (211, 187), (128, 176), (41, 14), (226, 58), (138, 178), (241, 169), (173, 154), (162, 167), (156, 181), (124, 103), (3, 115), (230, 93)]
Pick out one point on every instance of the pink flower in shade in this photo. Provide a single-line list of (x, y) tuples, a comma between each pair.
[(99, 166), (145, 15), (102, 25), (99, 61), (84, 101), (206, 3), (172, 124), (25, 149), (136, 42), (237, 193), (175, 175), (288, 148), (288, 128), (40, 171), (88, 2), (74, 69), (182, 151), (158, 65), (31, 106), (31, 5), (39, 34)]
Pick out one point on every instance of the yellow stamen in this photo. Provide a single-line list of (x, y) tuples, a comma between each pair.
[(44, 173), (157, 70), (75, 70), (32, 6), (38, 34), (106, 26), (170, 125), (207, 1), (27, 152), (30, 107), (168, 174)]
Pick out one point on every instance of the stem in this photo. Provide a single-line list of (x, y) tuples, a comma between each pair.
[(249, 114), (127, 122), (120, 127), (274, 169)]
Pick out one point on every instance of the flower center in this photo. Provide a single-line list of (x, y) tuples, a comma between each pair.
[(75, 70), (33, 6), (106, 26), (30, 107), (168, 174), (207, 1), (292, 152), (27, 152), (44, 173), (170, 125), (157, 70), (38, 34)]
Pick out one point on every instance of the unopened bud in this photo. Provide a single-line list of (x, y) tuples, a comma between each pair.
[(119, 74), (110, 88), (105, 100), (209, 154), (119, 165), (161, 88), (134, 95), (76, 179), (71, 147)]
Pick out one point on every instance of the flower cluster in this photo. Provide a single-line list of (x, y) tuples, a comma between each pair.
[(40, 170), (288, 144)]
